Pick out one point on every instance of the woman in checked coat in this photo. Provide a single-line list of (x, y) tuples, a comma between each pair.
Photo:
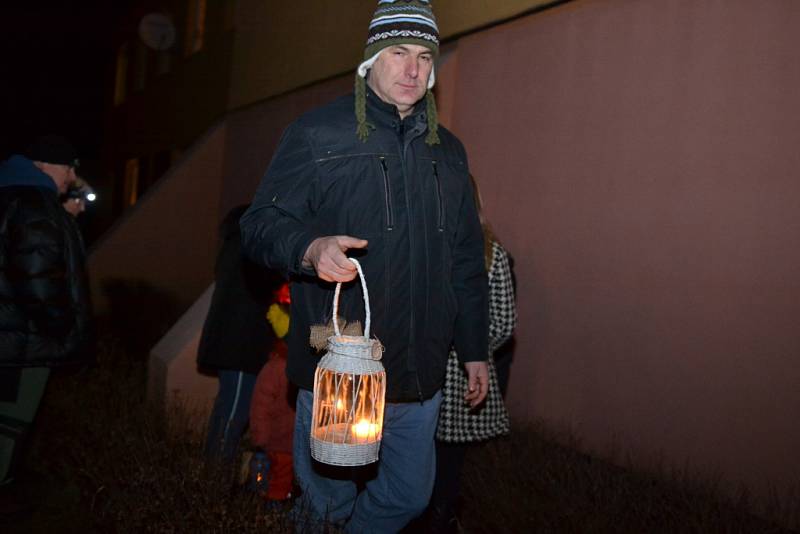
[(458, 424)]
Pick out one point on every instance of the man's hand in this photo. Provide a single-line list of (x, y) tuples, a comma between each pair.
[(477, 382), (326, 256)]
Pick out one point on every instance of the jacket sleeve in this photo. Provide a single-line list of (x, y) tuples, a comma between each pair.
[(470, 285), (277, 228), (502, 305), (38, 273)]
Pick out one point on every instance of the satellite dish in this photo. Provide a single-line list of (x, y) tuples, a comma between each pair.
[(156, 31)]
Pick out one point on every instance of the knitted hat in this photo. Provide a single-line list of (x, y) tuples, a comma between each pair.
[(53, 149), (398, 22)]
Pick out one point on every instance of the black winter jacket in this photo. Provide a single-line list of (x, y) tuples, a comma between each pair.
[(424, 264), (44, 299), (236, 335)]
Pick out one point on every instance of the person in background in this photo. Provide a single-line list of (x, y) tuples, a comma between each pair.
[(458, 426), (272, 409), (44, 298), (236, 338)]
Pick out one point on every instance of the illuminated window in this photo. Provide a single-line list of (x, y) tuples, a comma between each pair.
[(131, 190), (121, 77), (195, 26)]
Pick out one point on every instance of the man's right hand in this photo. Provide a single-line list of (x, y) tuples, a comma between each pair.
[(327, 256)]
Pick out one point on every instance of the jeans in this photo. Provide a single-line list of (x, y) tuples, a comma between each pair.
[(230, 415), (398, 487)]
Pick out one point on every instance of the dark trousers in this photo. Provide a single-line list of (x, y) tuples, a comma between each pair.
[(230, 415), (447, 487), (17, 416)]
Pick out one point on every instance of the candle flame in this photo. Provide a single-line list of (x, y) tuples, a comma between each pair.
[(364, 429)]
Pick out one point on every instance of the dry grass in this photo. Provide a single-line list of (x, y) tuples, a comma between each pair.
[(103, 460), (530, 483)]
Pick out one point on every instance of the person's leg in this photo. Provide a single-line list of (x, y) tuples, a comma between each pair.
[(328, 493), (230, 414), (446, 488), (406, 471), (16, 417), (281, 475)]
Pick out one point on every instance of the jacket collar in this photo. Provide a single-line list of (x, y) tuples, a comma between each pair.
[(386, 114)]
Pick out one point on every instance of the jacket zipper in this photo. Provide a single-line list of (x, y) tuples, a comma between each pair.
[(388, 195), (439, 195), (412, 363)]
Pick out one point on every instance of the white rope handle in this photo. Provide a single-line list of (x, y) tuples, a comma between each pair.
[(366, 301)]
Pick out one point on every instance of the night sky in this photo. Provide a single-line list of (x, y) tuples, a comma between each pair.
[(57, 60)]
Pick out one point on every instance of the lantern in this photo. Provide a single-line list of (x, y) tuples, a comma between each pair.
[(349, 391)]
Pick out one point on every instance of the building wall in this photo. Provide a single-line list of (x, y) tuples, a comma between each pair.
[(176, 108), (254, 133), (167, 112), (639, 161), (281, 46), (166, 245)]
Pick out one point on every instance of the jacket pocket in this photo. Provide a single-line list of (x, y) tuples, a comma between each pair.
[(387, 187), (439, 197)]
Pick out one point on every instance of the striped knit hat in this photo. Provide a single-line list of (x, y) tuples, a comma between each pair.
[(398, 22)]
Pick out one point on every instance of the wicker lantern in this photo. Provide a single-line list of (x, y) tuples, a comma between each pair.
[(349, 391)]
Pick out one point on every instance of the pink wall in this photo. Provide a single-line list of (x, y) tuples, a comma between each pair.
[(639, 160)]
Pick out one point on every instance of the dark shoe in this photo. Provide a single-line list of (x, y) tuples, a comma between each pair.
[(441, 521)]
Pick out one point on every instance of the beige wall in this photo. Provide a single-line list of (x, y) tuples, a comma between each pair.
[(169, 240), (284, 45), (172, 374), (639, 160)]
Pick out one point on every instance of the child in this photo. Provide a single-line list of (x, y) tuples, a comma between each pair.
[(272, 411)]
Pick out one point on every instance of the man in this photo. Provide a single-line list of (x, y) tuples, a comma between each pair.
[(373, 175), (44, 305)]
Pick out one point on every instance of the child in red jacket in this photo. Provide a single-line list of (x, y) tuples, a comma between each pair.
[(272, 412)]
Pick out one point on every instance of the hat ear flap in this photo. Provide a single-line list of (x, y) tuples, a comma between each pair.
[(362, 128), (433, 120)]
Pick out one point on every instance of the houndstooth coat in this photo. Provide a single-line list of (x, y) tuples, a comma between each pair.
[(457, 422)]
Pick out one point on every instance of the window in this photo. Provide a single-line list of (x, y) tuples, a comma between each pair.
[(131, 190), (195, 26), (121, 77)]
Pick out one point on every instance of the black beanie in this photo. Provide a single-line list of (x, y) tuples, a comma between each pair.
[(53, 149)]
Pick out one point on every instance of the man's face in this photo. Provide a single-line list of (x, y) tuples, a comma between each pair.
[(62, 175), (400, 75), (75, 206)]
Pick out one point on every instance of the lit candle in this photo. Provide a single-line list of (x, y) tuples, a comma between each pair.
[(365, 430)]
